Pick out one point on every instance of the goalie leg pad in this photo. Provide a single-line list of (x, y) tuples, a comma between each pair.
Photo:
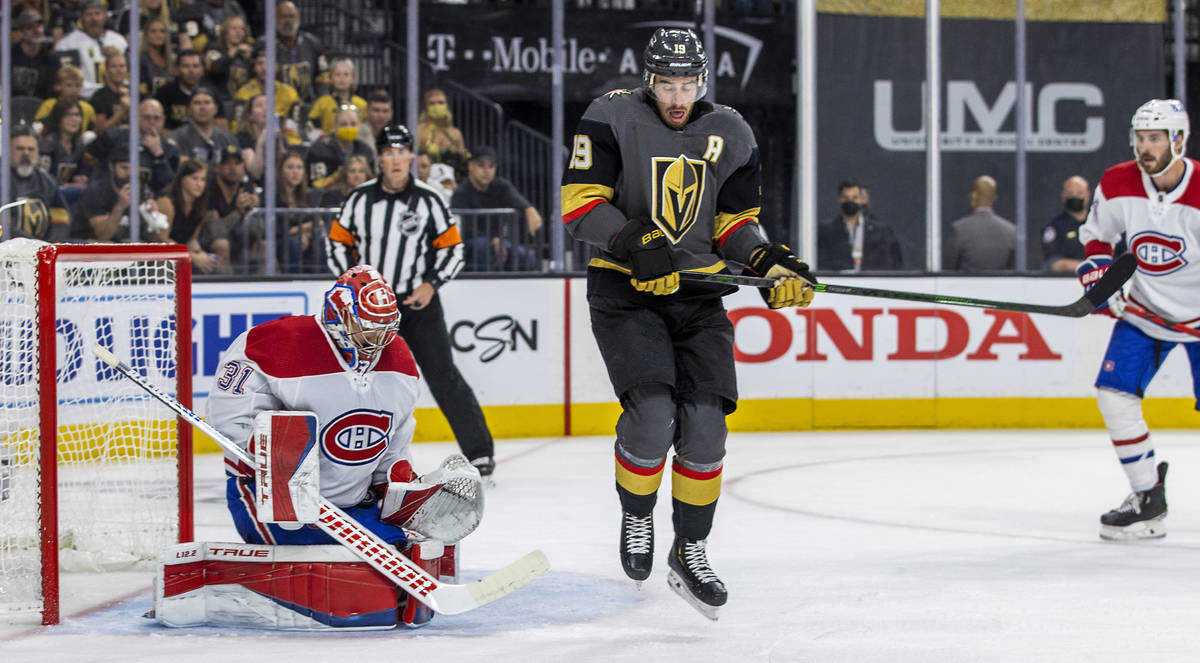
[(304, 588), (428, 555)]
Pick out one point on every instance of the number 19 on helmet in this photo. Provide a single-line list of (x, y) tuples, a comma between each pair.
[(674, 53)]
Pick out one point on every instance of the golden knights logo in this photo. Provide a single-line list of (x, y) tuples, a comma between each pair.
[(33, 219), (678, 190)]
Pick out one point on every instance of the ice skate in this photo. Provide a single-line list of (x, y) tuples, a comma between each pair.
[(637, 546), (693, 579), (1140, 516)]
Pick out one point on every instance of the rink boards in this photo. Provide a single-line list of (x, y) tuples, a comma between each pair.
[(525, 345)]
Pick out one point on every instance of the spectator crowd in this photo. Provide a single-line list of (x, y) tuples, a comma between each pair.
[(202, 123), (203, 114)]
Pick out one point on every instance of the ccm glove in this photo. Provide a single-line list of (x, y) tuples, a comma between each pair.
[(644, 246), (1089, 272), (793, 280)]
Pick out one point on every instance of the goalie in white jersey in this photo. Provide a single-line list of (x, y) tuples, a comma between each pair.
[(323, 404), (1155, 201), (347, 366)]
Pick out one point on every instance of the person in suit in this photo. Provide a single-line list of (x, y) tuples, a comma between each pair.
[(855, 240), (982, 240)]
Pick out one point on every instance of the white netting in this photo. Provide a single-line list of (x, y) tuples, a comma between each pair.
[(117, 495)]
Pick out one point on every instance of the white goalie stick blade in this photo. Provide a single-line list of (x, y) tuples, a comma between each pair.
[(445, 598)]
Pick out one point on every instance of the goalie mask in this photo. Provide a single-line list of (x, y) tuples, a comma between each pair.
[(675, 53), (361, 313), (1161, 115)]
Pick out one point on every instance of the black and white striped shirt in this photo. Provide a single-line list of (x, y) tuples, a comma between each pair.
[(409, 236)]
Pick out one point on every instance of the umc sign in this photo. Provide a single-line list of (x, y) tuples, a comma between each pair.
[(963, 100)]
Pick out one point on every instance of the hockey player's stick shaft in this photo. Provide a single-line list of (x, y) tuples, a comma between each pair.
[(443, 597), (1160, 321), (8, 206), (1108, 285)]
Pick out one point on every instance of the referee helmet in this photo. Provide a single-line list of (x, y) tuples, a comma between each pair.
[(393, 135)]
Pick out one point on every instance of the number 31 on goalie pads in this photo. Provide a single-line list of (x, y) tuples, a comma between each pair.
[(286, 468)]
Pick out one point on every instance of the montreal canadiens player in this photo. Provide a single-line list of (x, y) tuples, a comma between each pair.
[(1155, 201), (347, 366)]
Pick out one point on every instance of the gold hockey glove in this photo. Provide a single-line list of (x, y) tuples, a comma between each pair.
[(793, 280)]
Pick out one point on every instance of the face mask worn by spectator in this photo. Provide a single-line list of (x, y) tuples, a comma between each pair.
[(348, 134), (850, 208), (1074, 204)]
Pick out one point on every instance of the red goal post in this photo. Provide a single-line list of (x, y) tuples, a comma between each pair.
[(94, 475)]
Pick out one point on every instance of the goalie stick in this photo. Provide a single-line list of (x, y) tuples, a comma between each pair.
[(446, 598), (1142, 312), (1108, 285)]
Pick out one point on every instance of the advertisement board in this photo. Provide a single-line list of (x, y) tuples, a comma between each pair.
[(526, 348)]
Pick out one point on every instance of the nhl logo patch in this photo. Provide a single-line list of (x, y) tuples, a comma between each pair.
[(409, 223)]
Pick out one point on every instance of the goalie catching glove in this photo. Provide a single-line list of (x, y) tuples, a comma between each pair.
[(645, 247), (793, 280), (445, 504)]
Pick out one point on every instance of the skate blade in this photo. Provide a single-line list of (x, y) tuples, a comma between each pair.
[(1147, 529), (638, 584), (676, 583)]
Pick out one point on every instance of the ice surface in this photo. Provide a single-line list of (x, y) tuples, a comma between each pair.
[(898, 546)]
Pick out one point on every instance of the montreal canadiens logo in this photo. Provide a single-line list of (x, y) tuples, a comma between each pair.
[(1158, 254), (357, 437), (376, 299)]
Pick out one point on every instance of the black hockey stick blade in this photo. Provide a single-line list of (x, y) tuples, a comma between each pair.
[(1108, 285)]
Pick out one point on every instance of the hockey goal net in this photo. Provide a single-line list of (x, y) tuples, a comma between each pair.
[(95, 475)]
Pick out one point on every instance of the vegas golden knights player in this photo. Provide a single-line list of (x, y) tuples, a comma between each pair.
[(659, 182)]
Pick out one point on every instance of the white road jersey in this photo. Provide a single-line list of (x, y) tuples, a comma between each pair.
[(364, 418), (1163, 230)]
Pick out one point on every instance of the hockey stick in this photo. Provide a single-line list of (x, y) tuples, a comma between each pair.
[(1106, 287), (1159, 320), (443, 597), (8, 206)]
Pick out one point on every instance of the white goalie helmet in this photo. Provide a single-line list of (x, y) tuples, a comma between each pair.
[(1166, 115)]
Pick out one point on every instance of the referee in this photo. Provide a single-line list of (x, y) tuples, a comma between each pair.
[(401, 226)]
